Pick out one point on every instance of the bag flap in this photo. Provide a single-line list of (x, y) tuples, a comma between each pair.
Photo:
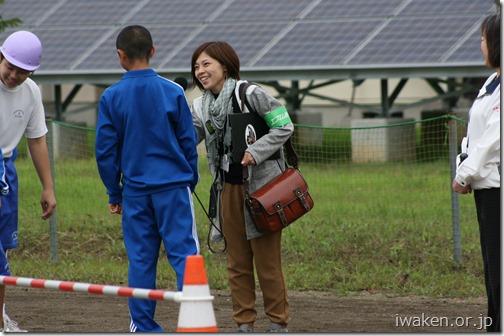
[(280, 189)]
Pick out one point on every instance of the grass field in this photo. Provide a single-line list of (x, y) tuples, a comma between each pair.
[(374, 227)]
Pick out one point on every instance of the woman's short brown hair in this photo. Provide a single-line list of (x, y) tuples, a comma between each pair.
[(490, 29), (223, 53)]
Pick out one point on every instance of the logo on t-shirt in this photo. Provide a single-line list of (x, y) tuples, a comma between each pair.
[(18, 114)]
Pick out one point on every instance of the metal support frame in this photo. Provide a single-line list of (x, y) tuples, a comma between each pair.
[(62, 106), (384, 98), (294, 95)]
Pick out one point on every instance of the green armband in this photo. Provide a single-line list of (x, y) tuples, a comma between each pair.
[(278, 117)]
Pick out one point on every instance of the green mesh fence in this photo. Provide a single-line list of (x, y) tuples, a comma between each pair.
[(376, 170), (374, 142)]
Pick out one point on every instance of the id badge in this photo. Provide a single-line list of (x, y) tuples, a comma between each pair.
[(225, 163)]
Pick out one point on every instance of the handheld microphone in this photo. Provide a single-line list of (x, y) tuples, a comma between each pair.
[(182, 82), (463, 156)]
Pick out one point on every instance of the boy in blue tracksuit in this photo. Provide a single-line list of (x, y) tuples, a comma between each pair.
[(147, 159)]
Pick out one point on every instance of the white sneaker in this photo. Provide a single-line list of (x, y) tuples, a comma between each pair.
[(11, 325), (275, 327)]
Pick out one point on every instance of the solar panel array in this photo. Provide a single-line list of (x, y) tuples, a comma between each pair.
[(79, 36)]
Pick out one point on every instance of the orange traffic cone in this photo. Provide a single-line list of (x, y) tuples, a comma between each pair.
[(196, 308)]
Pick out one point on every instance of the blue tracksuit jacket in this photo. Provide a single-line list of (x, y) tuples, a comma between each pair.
[(159, 151)]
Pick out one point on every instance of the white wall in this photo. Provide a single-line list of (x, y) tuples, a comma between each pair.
[(368, 93)]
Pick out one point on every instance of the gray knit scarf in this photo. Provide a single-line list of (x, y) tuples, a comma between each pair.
[(217, 111)]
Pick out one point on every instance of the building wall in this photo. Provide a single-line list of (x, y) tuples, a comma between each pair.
[(83, 109)]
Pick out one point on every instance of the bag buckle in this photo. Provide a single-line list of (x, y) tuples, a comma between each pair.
[(302, 198), (280, 212)]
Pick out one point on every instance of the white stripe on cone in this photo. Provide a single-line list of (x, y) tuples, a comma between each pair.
[(196, 314)]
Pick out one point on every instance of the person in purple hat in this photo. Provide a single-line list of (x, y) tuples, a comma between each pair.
[(22, 113)]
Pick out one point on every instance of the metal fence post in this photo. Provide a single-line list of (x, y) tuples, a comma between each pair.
[(53, 231), (453, 151)]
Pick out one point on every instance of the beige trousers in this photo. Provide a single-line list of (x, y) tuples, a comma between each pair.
[(264, 252)]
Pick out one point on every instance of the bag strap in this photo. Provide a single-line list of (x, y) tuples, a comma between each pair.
[(242, 90), (292, 157), (246, 181), (243, 97)]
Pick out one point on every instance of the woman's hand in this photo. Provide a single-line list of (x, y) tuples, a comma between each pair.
[(461, 189), (248, 160)]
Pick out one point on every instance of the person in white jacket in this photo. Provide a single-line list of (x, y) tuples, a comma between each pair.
[(480, 170)]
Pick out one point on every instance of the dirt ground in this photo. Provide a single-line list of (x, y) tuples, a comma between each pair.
[(51, 311)]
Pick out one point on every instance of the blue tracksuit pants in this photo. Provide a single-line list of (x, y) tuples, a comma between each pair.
[(9, 215), (147, 221)]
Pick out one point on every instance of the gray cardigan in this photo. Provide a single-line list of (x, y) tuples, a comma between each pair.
[(264, 170)]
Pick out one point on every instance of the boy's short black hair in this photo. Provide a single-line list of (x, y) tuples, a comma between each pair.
[(135, 41)]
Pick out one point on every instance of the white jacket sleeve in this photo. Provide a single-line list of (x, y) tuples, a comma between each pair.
[(480, 163)]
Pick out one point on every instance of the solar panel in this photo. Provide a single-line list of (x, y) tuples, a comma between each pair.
[(357, 8), (28, 11), (414, 40), (316, 43), (282, 34), (62, 47), (469, 51), (104, 57), (89, 12), (165, 39), (263, 10), (168, 12), (246, 39), (447, 7)]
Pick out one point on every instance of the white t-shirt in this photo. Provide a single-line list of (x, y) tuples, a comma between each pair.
[(21, 112)]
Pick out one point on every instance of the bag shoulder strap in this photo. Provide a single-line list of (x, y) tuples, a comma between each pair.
[(243, 97), (239, 98), (292, 157)]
